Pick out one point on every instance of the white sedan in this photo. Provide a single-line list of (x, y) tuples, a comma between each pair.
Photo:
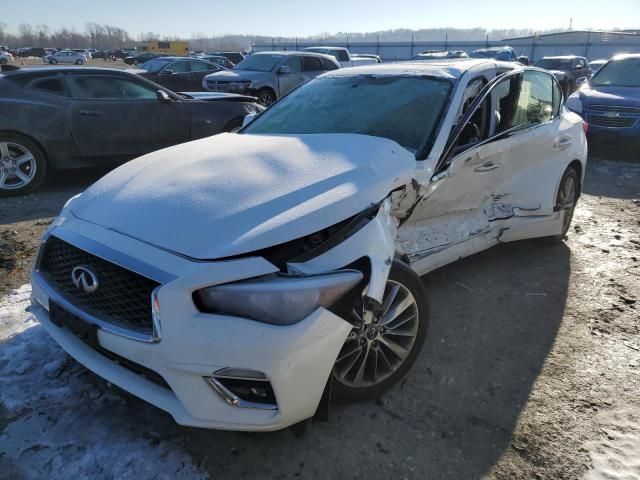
[(240, 280), (65, 56), (5, 57)]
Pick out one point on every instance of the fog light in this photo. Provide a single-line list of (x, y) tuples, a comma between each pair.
[(243, 388)]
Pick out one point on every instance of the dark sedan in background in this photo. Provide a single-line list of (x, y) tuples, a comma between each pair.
[(66, 117), (177, 73), (141, 58), (610, 103)]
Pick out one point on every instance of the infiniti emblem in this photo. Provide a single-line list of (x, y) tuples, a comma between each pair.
[(84, 279)]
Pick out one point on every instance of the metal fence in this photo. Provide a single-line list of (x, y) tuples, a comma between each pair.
[(533, 47)]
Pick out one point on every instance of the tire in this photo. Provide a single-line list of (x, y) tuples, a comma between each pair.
[(266, 96), (53, 61), (368, 347), (3, 61), (32, 170), (569, 186), (79, 62)]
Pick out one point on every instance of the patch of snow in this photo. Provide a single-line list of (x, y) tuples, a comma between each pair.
[(616, 455), (57, 420)]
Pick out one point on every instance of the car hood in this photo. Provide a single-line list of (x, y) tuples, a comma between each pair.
[(558, 73), (613, 96), (236, 193), (234, 75)]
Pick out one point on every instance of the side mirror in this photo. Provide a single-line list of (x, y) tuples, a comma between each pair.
[(163, 96), (581, 81), (284, 70), (248, 118)]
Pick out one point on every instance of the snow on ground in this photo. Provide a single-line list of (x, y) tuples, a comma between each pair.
[(616, 455), (57, 420)]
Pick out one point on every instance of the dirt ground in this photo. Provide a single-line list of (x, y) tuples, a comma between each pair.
[(531, 367)]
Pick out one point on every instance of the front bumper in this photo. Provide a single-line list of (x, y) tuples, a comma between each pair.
[(296, 359)]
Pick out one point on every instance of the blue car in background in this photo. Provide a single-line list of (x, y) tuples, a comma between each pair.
[(610, 104)]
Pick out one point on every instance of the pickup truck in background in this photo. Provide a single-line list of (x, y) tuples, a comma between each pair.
[(343, 56)]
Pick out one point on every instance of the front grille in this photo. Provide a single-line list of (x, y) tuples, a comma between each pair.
[(218, 86), (613, 108), (610, 122), (123, 297)]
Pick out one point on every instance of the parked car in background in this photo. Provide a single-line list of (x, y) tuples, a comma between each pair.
[(118, 54), (268, 269), (234, 57), (439, 55), (596, 65), (567, 69), (270, 75), (141, 58), (61, 118), (101, 54), (65, 56), (83, 51), (610, 103), (177, 73), (5, 57), (31, 52), (505, 54), (367, 55), (218, 60), (342, 55)]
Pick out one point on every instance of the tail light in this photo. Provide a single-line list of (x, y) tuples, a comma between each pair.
[(585, 127)]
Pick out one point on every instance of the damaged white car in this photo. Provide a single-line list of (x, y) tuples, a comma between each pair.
[(239, 281)]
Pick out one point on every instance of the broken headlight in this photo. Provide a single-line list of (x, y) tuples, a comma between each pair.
[(277, 299)]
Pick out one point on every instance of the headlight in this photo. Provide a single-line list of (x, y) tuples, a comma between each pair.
[(574, 103), (278, 299)]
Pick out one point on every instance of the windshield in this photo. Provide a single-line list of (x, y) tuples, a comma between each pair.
[(554, 64), (618, 73), (259, 63), (405, 109), (154, 65)]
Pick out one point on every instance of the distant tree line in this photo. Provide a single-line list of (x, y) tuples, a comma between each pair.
[(107, 37)]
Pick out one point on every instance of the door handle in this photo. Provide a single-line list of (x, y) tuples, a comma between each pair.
[(90, 113), (486, 167), (563, 143)]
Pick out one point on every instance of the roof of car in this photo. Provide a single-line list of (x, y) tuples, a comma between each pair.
[(446, 67), (626, 55), (562, 57), (44, 70), (293, 52)]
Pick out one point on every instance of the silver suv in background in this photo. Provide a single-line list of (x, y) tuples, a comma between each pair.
[(270, 75)]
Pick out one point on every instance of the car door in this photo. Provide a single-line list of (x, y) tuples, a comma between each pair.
[(176, 76), (291, 76), (199, 70), (118, 115), (531, 170)]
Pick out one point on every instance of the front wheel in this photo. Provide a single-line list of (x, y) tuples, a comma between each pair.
[(53, 61), (79, 62), (3, 61), (378, 354), (266, 96)]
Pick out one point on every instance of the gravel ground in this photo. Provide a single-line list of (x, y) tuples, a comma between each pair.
[(531, 370)]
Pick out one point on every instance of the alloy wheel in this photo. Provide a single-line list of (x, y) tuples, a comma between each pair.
[(376, 349), (266, 98), (17, 166)]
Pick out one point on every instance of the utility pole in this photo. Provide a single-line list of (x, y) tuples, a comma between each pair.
[(570, 23)]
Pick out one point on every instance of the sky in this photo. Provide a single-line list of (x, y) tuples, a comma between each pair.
[(304, 17)]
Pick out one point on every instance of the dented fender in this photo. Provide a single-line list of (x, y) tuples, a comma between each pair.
[(376, 240)]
